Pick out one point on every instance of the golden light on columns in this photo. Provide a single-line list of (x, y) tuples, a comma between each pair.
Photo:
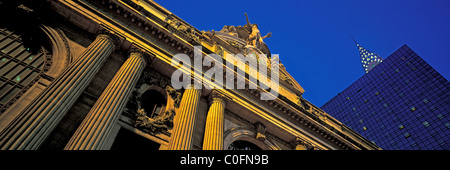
[(95, 128), (183, 129), (213, 139), (34, 124)]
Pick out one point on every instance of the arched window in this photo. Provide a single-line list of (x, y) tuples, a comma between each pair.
[(153, 103), (19, 68), (243, 145)]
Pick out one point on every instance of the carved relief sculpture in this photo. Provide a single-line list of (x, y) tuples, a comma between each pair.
[(176, 96), (157, 124)]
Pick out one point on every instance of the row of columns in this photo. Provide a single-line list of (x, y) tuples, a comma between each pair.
[(33, 125), (93, 131), (182, 133), (29, 130)]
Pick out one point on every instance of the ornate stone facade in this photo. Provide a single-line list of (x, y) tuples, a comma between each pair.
[(110, 72)]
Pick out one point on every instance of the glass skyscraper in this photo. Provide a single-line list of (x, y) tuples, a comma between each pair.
[(402, 103)]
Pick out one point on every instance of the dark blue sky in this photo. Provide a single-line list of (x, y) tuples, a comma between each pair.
[(312, 37)]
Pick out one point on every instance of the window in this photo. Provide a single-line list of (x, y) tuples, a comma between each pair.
[(412, 143), (390, 112), (365, 101), (413, 108), (401, 126), (377, 93), (395, 118), (364, 128), (426, 124), (19, 68), (425, 100), (418, 115), (432, 108), (406, 134)]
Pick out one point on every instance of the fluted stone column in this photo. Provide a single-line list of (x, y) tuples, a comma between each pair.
[(29, 129), (213, 139), (95, 128), (183, 129)]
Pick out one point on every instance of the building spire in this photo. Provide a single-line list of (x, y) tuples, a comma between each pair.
[(368, 59)]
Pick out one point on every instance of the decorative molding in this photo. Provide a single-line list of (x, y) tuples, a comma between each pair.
[(162, 123), (110, 35), (146, 56), (273, 137), (215, 95), (175, 95), (159, 124), (240, 119), (260, 131), (299, 141), (121, 9), (308, 120), (66, 45)]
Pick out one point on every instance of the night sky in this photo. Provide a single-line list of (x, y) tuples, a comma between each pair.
[(313, 40)]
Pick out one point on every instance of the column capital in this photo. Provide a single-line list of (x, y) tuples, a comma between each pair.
[(146, 56), (215, 96), (103, 32)]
